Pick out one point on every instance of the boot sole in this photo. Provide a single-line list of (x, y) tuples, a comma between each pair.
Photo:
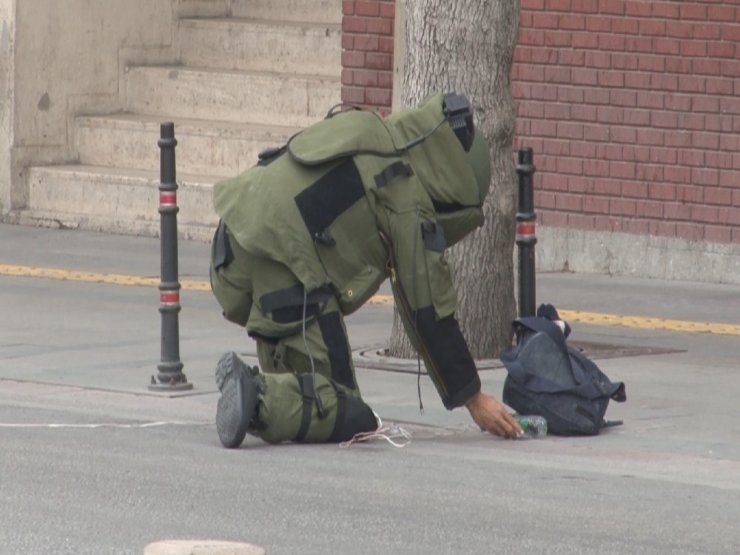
[(238, 400)]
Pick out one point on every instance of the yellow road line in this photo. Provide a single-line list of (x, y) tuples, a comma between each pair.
[(572, 316)]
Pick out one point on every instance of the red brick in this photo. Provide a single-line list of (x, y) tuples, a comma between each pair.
[(584, 6), (607, 187), (351, 24), (677, 174), (637, 8), (637, 117), (379, 26), (597, 59), (667, 10), (599, 205), (647, 136), (651, 100), (692, 121), (730, 33), (378, 60), (353, 59), (557, 111), (678, 65), (667, 46), (595, 133), (667, 120), (664, 229), (689, 10), (580, 184), (689, 157), (557, 39), (705, 104), (583, 112), (596, 168), (721, 49), (572, 22), (705, 140), (378, 97), (611, 78), (661, 191), (707, 31), (570, 130), (649, 173), (679, 30), (531, 36), (690, 194), (365, 78), (531, 73), (679, 138), (639, 80), (531, 110), (691, 232), (704, 214), (558, 5), (636, 227), (556, 148), (543, 92), (663, 82), (385, 44), (622, 170), (609, 151), (676, 211), (388, 10), (532, 4), (651, 63), (616, 7), (545, 20), (703, 176), (626, 135), (555, 219), (566, 57), (568, 202), (385, 79), (652, 27), (584, 40), (663, 155), (543, 128), (706, 66), (647, 209), (730, 105), (625, 26), (596, 96), (622, 206), (723, 13), (584, 76), (347, 76), (611, 42), (598, 24), (573, 95), (719, 86), (636, 153), (693, 48), (371, 9), (624, 61), (717, 234), (353, 95), (348, 8), (719, 196), (366, 42), (555, 74)]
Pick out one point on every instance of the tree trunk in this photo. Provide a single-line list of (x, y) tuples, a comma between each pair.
[(467, 46)]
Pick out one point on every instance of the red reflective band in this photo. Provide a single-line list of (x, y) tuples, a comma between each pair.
[(525, 228), (169, 297), (168, 198)]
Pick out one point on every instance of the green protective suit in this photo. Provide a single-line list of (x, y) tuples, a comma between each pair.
[(309, 234)]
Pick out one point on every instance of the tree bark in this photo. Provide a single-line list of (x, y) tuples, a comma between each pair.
[(467, 46)]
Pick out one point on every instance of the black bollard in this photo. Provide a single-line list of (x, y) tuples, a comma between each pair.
[(170, 377), (525, 233)]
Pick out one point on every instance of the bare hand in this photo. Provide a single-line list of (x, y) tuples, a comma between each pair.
[(491, 416)]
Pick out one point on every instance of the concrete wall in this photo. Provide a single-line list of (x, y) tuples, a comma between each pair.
[(7, 47), (61, 59)]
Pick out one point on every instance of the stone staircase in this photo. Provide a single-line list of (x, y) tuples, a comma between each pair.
[(243, 83)]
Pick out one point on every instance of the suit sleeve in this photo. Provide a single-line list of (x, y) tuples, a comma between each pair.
[(426, 301)]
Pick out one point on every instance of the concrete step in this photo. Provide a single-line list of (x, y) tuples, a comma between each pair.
[(236, 96), (252, 44), (318, 11), (203, 147), (115, 200)]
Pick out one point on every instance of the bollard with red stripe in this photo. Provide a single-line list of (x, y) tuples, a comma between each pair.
[(525, 233), (170, 376)]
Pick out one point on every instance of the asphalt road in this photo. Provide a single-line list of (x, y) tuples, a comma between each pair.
[(94, 463)]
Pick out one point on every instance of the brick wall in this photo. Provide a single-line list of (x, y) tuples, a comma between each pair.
[(632, 108), (367, 53)]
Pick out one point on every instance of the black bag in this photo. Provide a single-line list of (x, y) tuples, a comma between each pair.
[(546, 376)]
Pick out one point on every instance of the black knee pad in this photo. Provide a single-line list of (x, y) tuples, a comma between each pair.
[(353, 417)]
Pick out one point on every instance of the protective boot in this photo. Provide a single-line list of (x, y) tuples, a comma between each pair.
[(238, 402)]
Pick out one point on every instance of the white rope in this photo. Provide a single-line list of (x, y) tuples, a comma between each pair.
[(393, 434)]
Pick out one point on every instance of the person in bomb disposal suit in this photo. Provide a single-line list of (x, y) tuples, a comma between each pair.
[(308, 235)]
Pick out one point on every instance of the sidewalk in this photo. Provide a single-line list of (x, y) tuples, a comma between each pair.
[(682, 387)]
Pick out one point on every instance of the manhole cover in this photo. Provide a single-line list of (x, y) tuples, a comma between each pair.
[(376, 358)]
